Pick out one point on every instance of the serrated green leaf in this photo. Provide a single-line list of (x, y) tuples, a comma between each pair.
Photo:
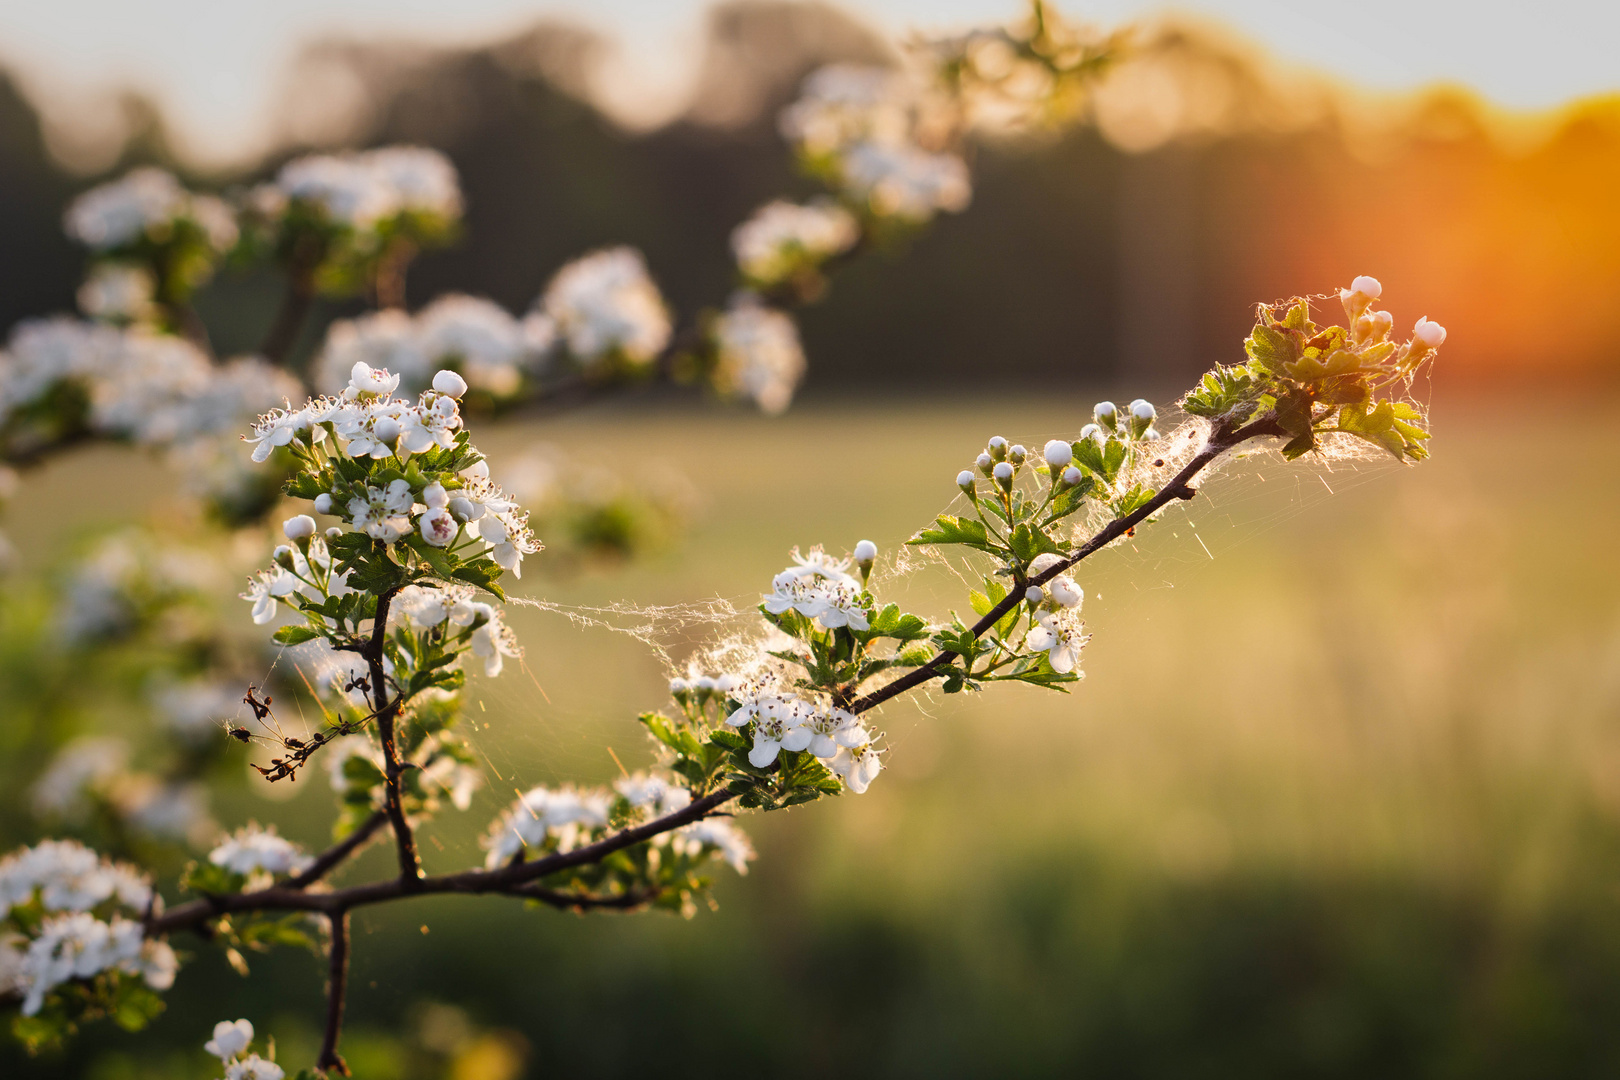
[(295, 635)]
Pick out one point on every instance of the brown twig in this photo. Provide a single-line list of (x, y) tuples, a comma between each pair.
[(1220, 441), (337, 978), (393, 767), (334, 855)]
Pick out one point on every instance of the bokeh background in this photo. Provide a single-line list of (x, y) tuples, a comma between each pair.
[(1340, 795)]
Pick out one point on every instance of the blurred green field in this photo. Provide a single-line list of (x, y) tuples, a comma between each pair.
[(1338, 797)]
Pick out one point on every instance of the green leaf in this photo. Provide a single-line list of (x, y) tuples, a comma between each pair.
[(481, 573), (1029, 542), (1068, 500), (949, 529), (295, 635), (1138, 496), (1271, 348)]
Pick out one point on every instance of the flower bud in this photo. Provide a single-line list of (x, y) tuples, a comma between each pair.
[(438, 527), (1431, 334), (299, 527), (434, 496), (1058, 453), (1043, 562), (1004, 473), (983, 461), (1035, 595), (333, 533), (964, 480), (1106, 414), (1142, 417), (449, 383), (1017, 455), (725, 684), (1071, 476), (998, 447), (283, 556), (677, 687), (865, 553), (1362, 292), (1094, 432), (1382, 323), (465, 509), (386, 429), (1066, 592), (323, 503), (703, 685)]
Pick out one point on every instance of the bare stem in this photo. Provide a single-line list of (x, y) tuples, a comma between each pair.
[(337, 978), (387, 712)]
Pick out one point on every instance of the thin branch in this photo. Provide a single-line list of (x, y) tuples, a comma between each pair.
[(337, 853), (337, 978), (387, 711), (518, 878), (1220, 441), (512, 880), (573, 901)]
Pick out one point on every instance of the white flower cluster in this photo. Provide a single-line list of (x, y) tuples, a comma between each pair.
[(478, 338), (492, 639), (606, 303), (229, 1044), (118, 292), (363, 190), (782, 237), (153, 388), (819, 587), (255, 851), (870, 124), (783, 721), (297, 574), (758, 355), (145, 203), (70, 943), (566, 816), (1058, 631), (1369, 326), (370, 422), (96, 767), (125, 579), (717, 835)]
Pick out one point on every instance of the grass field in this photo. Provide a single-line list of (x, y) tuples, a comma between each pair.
[(1338, 796)]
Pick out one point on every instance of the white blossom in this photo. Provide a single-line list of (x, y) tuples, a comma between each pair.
[(362, 190), (252, 850), (383, 339), (1061, 635), (758, 355), (1430, 334), (857, 767), (230, 1039), (118, 292), (905, 181), (781, 236), (718, 835), (253, 1067), (842, 104), (604, 303), (541, 814), (144, 202)]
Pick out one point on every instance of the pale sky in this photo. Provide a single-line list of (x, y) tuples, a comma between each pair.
[(218, 67)]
